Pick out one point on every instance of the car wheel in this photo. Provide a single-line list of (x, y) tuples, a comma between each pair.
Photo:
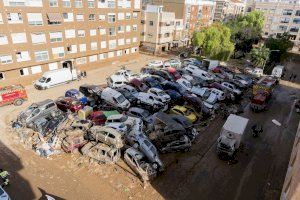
[(187, 149), (135, 145), (18, 102), (138, 101), (155, 165)]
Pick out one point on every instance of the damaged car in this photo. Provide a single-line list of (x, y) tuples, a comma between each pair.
[(73, 142), (106, 135), (183, 144)]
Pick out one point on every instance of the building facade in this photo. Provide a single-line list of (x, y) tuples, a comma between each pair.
[(291, 188), (161, 31), (228, 9), (42, 35), (280, 17)]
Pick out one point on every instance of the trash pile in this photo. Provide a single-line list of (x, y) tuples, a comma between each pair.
[(136, 117)]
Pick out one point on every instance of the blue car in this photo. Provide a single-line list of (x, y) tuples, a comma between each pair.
[(76, 95)]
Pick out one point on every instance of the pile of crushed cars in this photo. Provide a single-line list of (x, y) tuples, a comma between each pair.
[(136, 116)]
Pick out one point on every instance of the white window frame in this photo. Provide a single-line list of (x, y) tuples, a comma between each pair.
[(41, 55)]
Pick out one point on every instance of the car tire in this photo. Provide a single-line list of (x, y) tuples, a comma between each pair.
[(18, 102), (155, 165), (138, 101), (135, 145)]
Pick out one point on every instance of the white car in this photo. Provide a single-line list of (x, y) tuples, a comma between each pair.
[(230, 87), (185, 84), (173, 63), (160, 94), (148, 100), (115, 81), (115, 121), (127, 74), (156, 63), (220, 94), (195, 71)]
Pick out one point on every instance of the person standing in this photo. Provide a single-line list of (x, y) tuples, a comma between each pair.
[(294, 78), (291, 76)]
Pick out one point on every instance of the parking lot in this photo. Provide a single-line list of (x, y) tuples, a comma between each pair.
[(258, 174)]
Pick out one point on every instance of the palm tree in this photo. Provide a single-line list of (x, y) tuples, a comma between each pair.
[(259, 56)]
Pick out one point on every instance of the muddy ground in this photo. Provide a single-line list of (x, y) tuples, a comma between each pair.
[(199, 174)]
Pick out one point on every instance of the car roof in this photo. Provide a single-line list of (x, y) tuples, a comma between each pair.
[(117, 116), (136, 109)]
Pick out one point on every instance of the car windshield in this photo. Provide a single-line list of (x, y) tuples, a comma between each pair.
[(206, 94), (42, 80), (145, 113), (121, 99)]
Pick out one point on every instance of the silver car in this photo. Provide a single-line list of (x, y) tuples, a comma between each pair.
[(106, 135)]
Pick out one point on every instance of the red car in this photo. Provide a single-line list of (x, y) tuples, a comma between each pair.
[(68, 103), (172, 71), (98, 118), (139, 85)]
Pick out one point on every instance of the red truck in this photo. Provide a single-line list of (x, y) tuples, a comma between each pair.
[(14, 94)]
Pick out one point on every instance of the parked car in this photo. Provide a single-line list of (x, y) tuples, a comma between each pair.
[(99, 117), (120, 127), (195, 71), (14, 94), (182, 144), (230, 87), (190, 131), (115, 81), (93, 92), (175, 96), (149, 102), (66, 104), (192, 61), (173, 86), (76, 94), (143, 114), (115, 99), (138, 162), (106, 135), (184, 111), (160, 79), (101, 153), (37, 110), (139, 85), (160, 95), (174, 62), (73, 142), (173, 73), (127, 74), (49, 124), (130, 89), (127, 120), (163, 74), (156, 63), (220, 94), (152, 83), (243, 79), (185, 84), (128, 95)]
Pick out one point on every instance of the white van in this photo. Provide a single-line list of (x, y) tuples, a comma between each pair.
[(115, 81), (54, 78), (115, 99), (278, 71)]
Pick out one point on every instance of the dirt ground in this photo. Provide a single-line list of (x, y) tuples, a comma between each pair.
[(199, 174)]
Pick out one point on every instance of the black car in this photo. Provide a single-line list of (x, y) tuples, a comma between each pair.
[(173, 86), (191, 132), (128, 95), (152, 83), (163, 74)]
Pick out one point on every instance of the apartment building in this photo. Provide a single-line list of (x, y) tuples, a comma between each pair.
[(43, 35), (196, 14), (290, 188), (228, 9), (280, 17), (161, 31)]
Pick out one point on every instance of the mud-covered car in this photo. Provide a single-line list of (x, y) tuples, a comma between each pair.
[(138, 162), (190, 131), (183, 144), (106, 135), (73, 142), (81, 124), (101, 153)]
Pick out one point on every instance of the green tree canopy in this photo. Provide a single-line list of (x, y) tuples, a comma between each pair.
[(281, 43), (246, 30), (214, 42), (259, 56)]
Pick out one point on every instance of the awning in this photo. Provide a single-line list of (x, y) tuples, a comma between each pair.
[(54, 17)]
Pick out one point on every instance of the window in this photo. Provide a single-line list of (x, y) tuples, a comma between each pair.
[(3, 39), (91, 4), (111, 18), (102, 17), (102, 56), (79, 17), (6, 59), (53, 3), (285, 20), (119, 53), (93, 32), (94, 46), (103, 44), (1, 19), (128, 16), (53, 66), (66, 3), (93, 58), (296, 21), (14, 18), (128, 41), (297, 13), (102, 31), (137, 4), (294, 29), (82, 47), (81, 33), (56, 37), (81, 60), (112, 44), (68, 17), (72, 48), (41, 56), (2, 76), (23, 56), (282, 28), (54, 18), (91, 17), (18, 38), (24, 72), (36, 69), (121, 29), (134, 15), (111, 54), (112, 31), (151, 23), (128, 27), (287, 12), (121, 16), (134, 27), (58, 52), (78, 3), (38, 38), (134, 39), (133, 49), (111, 3), (35, 19), (121, 41), (70, 33)]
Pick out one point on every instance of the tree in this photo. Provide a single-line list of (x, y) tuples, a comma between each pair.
[(246, 30), (214, 42), (281, 43), (259, 56)]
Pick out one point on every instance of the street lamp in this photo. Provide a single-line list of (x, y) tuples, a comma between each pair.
[(268, 58)]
